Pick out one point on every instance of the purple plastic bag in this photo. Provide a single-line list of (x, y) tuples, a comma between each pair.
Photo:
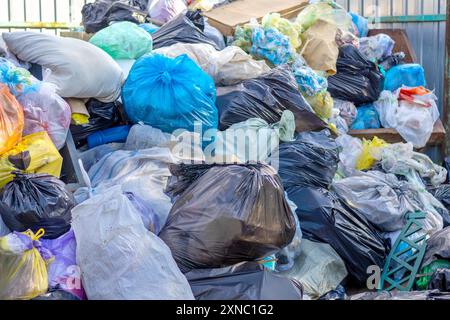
[(166, 10), (63, 272)]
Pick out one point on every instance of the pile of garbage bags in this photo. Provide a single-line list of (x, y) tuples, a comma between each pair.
[(214, 168)]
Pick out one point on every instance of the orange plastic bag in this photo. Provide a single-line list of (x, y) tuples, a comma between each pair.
[(11, 120)]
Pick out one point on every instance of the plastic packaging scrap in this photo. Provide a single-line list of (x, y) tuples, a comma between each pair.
[(101, 13), (123, 40), (286, 27), (271, 45), (325, 10), (227, 284), (101, 116), (66, 58), (357, 80), (377, 48), (136, 171), (186, 28), (170, 94), (11, 120), (319, 47), (251, 141), (24, 266), (35, 201), (311, 160), (227, 67), (409, 75), (63, 273), (347, 110), (266, 97), (370, 153), (318, 268), (381, 198), (36, 153), (149, 27), (325, 218), (361, 24), (247, 219), (166, 10), (367, 118), (109, 228)]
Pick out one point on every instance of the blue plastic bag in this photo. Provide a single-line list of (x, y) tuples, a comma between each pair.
[(271, 45), (149, 27), (170, 94), (367, 118), (410, 75), (361, 23)]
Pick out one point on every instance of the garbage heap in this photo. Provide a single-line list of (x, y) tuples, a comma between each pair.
[(216, 168)]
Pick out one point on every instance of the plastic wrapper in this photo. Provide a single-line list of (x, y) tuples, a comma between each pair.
[(226, 214), (325, 218), (322, 104), (266, 97), (35, 201), (227, 67), (381, 198), (409, 75), (286, 27), (311, 160), (325, 10), (72, 73), (99, 14), (24, 266), (318, 268), (377, 47), (123, 40), (357, 80), (11, 120), (366, 118), (170, 94), (227, 284), (166, 10), (251, 141), (347, 110), (361, 24), (110, 233), (63, 272), (186, 28), (36, 153), (319, 48)]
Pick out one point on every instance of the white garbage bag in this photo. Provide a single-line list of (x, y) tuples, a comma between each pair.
[(118, 257), (78, 68)]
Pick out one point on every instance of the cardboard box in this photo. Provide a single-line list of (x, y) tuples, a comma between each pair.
[(226, 18)]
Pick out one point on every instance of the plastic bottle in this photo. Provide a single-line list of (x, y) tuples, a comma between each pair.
[(116, 134)]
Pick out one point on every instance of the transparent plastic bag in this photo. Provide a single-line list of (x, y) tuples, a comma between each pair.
[(286, 27), (325, 10), (378, 47), (24, 266), (351, 149), (387, 108), (347, 110), (370, 151), (11, 120), (123, 40)]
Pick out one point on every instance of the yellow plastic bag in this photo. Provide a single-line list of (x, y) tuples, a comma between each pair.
[(11, 120), (36, 153), (289, 29), (322, 104), (370, 149), (23, 270)]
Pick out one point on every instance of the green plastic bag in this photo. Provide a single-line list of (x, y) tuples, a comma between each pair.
[(325, 10), (123, 40), (427, 272)]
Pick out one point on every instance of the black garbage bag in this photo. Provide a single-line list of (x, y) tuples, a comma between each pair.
[(324, 218), (185, 28), (442, 193), (440, 280), (34, 201), (309, 161), (102, 116), (438, 247), (243, 281), (226, 214), (266, 97), (99, 14), (357, 79)]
